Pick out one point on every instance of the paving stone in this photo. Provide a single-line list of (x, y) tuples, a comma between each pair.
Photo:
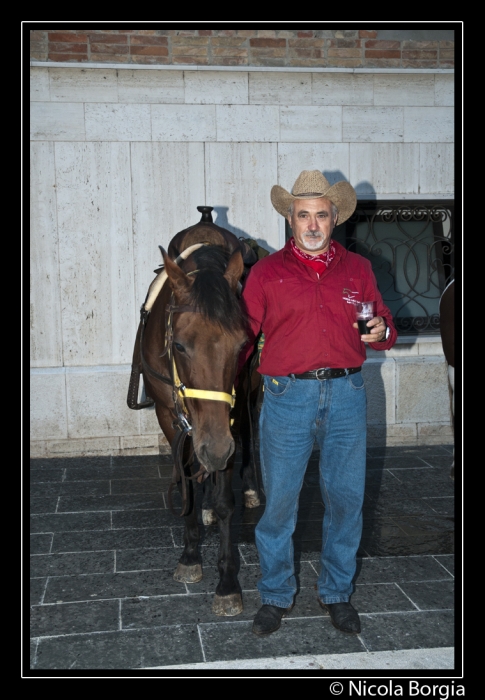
[(33, 652), (379, 527), (142, 518), (135, 486), (43, 505), (384, 462), (439, 462), (382, 597), (249, 553), (144, 559), (447, 561), (408, 545), (417, 524), (296, 636), (67, 462), (73, 563), (408, 630), (180, 609), (85, 488), (46, 474), (431, 595), (142, 460), (444, 505), (400, 451), (398, 569), (104, 586), (72, 618), (41, 544), (73, 488), (37, 589), (112, 472), (66, 522), (390, 507), (44, 489), (424, 482), (119, 502), (162, 646), (128, 538)]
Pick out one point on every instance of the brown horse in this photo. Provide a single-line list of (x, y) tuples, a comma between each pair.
[(447, 330), (191, 331)]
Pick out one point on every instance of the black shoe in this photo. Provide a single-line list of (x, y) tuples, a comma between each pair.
[(344, 617), (268, 619)]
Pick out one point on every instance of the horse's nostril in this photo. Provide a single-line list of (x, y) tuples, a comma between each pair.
[(213, 457)]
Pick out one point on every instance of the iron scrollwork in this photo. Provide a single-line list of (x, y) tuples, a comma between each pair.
[(411, 248)]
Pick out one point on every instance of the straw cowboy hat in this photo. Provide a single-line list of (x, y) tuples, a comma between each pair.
[(311, 184)]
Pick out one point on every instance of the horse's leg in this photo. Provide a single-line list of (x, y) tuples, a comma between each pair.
[(246, 426), (189, 568), (247, 471), (228, 598), (208, 515)]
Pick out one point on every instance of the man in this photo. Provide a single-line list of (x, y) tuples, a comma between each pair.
[(303, 299)]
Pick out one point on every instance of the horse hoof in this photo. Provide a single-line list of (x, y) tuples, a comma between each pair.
[(227, 605), (251, 499), (188, 574), (209, 517)]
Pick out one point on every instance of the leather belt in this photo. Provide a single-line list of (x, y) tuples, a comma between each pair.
[(326, 373)]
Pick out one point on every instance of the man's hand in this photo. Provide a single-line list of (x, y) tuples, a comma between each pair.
[(377, 330)]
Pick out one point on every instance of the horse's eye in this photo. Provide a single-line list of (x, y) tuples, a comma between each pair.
[(179, 347)]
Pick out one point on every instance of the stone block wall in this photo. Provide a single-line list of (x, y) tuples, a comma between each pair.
[(121, 156)]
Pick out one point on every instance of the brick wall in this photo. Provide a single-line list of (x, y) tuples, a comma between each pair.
[(346, 48)]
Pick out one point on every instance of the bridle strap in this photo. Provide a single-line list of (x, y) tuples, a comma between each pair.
[(210, 395), (185, 393), (182, 390)]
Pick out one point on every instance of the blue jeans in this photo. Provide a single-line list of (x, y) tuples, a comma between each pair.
[(295, 414)]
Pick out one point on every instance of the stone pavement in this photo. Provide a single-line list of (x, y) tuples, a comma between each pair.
[(104, 547)]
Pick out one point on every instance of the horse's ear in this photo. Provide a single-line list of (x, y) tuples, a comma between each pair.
[(178, 280), (234, 269)]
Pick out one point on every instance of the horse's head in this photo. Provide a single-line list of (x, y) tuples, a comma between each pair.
[(208, 333)]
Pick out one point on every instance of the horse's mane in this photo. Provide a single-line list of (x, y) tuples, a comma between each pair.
[(210, 292)]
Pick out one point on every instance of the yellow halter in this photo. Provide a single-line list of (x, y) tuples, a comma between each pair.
[(181, 389), (183, 392)]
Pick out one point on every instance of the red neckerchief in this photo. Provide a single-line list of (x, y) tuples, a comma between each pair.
[(314, 261)]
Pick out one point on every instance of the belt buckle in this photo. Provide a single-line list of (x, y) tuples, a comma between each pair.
[(321, 376)]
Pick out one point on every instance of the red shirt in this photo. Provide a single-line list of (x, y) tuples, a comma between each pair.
[(307, 317)]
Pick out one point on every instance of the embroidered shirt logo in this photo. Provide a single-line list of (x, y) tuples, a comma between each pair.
[(349, 295)]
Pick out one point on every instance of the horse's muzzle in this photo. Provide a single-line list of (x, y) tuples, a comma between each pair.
[(214, 456)]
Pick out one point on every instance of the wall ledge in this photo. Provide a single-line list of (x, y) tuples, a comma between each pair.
[(238, 69)]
